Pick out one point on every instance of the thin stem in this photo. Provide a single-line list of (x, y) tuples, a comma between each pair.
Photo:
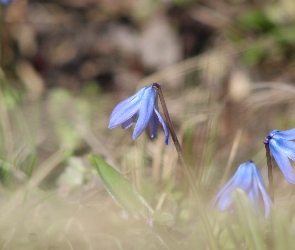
[(188, 174), (269, 168), (170, 126)]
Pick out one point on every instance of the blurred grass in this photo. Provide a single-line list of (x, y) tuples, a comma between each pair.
[(41, 210)]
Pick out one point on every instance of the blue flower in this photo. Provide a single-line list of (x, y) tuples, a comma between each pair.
[(141, 108), (282, 148), (248, 179)]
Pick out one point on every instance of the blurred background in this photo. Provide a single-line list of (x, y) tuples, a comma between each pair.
[(114, 45), (227, 69)]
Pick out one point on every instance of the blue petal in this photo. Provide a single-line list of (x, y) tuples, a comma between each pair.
[(243, 176), (273, 132), (265, 196), (267, 205), (226, 201), (224, 197), (258, 190), (126, 109), (253, 194), (285, 135), (267, 202), (154, 121), (288, 147), (153, 124), (258, 176), (145, 111), (283, 162), (222, 194), (242, 179), (166, 130), (128, 123)]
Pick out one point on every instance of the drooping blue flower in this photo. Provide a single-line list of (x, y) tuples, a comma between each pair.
[(282, 147), (142, 109), (248, 179)]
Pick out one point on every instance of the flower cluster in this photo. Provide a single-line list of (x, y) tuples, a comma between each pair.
[(142, 109), (248, 177)]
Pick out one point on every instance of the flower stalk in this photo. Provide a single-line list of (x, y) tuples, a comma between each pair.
[(187, 171), (170, 126), (269, 171)]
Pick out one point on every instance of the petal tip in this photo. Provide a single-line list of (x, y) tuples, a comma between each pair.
[(166, 140)]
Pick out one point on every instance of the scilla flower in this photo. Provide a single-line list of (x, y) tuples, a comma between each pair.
[(142, 109), (248, 179), (282, 148)]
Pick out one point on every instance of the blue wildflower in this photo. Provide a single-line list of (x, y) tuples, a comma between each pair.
[(282, 148), (142, 109), (248, 179)]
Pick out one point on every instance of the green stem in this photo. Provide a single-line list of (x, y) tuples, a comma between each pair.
[(269, 168), (188, 173)]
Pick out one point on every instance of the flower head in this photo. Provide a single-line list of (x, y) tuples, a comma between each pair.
[(248, 179), (282, 147), (142, 109)]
